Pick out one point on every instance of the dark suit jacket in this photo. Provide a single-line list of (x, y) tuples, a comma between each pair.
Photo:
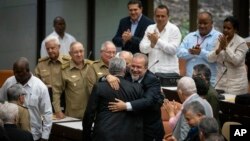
[(150, 105), (16, 134), (3, 135), (124, 25), (109, 126)]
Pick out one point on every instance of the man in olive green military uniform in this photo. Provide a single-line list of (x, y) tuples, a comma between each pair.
[(15, 94), (99, 67), (74, 81), (49, 68)]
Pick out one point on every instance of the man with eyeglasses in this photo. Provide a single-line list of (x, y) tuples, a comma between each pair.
[(74, 82), (202, 71), (99, 67)]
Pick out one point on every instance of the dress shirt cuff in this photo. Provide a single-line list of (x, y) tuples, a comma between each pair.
[(128, 106)]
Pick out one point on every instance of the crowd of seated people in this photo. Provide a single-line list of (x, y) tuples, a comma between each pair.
[(147, 48)]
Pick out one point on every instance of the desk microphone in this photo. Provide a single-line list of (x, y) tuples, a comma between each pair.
[(157, 61), (220, 77), (89, 54)]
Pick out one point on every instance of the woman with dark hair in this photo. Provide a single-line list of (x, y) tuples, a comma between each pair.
[(230, 55)]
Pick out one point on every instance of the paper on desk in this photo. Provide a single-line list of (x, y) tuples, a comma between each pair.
[(74, 124), (170, 88), (64, 119), (229, 97)]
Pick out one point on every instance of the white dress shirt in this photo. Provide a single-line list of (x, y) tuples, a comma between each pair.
[(38, 103), (64, 44), (164, 50)]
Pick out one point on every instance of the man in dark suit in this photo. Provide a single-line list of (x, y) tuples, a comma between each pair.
[(132, 28), (9, 115), (109, 126), (149, 104)]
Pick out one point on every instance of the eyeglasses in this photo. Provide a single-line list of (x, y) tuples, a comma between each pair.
[(110, 52), (197, 75), (22, 94)]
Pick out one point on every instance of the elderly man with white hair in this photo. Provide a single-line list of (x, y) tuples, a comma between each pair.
[(49, 70), (9, 114), (187, 92)]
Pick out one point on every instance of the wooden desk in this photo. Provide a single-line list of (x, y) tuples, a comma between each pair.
[(66, 130), (230, 111)]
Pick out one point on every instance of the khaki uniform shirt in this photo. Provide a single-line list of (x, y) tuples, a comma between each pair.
[(75, 86), (96, 71), (50, 73), (23, 120)]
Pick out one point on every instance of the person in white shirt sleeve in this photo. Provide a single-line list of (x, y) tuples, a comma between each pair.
[(65, 39), (37, 99), (160, 42)]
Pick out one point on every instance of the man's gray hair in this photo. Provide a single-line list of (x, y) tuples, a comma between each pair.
[(187, 86), (117, 66), (8, 112), (141, 55), (124, 53), (104, 45), (194, 107), (15, 91), (52, 38), (208, 125)]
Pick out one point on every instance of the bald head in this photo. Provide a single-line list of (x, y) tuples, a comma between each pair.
[(21, 70), (21, 62), (127, 56)]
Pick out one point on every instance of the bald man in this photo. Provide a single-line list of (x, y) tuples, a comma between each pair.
[(37, 99)]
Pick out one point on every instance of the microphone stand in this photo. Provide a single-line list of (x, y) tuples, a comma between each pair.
[(220, 91), (157, 61)]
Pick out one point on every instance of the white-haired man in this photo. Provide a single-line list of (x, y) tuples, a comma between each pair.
[(187, 92), (49, 69)]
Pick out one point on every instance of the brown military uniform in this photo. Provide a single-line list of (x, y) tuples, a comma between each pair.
[(75, 86), (50, 73), (23, 120), (96, 71)]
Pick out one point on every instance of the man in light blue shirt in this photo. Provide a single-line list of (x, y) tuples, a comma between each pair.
[(196, 45)]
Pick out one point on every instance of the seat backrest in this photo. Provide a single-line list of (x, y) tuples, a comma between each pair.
[(226, 129), (4, 74)]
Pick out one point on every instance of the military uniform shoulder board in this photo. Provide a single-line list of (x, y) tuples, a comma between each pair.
[(66, 57), (96, 61), (43, 59), (22, 106), (87, 61), (66, 65)]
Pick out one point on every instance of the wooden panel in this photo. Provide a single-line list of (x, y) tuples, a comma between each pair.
[(4, 74), (182, 67)]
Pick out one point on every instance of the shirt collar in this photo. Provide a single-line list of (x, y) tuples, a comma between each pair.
[(186, 101), (85, 62), (137, 21), (59, 59), (197, 33)]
